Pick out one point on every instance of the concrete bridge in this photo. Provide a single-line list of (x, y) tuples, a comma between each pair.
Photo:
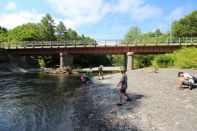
[(66, 50)]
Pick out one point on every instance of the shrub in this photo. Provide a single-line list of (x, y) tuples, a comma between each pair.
[(41, 63), (163, 61), (141, 61), (117, 60)]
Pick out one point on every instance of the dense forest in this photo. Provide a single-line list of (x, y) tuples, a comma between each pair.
[(47, 30)]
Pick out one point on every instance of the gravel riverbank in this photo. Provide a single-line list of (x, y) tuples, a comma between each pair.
[(156, 105)]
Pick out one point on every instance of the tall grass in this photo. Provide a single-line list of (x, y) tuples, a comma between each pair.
[(186, 58), (183, 58)]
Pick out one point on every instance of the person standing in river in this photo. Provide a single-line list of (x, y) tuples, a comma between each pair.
[(123, 84)]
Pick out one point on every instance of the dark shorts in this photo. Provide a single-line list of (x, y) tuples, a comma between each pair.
[(122, 90)]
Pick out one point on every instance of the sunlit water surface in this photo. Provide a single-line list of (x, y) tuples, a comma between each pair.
[(36, 102)]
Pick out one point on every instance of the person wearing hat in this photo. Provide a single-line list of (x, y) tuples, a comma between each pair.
[(123, 84)]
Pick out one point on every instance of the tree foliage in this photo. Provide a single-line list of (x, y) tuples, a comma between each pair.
[(117, 60), (186, 27), (47, 28), (60, 31), (3, 34), (25, 32), (132, 33)]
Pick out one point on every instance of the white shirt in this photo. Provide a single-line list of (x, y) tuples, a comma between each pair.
[(187, 75)]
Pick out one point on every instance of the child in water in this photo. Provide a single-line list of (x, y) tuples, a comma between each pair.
[(84, 80)]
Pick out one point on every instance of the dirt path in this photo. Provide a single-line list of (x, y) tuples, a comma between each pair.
[(157, 105)]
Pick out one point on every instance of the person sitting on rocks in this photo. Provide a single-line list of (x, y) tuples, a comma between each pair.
[(123, 83), (184, 79)]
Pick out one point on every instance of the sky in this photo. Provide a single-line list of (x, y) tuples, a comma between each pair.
[(99, 19)]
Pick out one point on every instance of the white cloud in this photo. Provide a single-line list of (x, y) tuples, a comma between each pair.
[(80, 12), (10, 6), (139, 10), (12, 20), (176, 14)]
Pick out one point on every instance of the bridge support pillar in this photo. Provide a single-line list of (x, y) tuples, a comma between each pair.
[(65, 60), (130, 60), (61, 60)]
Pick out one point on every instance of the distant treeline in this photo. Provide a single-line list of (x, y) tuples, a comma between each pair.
[(45, 30)]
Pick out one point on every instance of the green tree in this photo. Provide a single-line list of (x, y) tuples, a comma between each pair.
[(71, 34), (60, 30), (157, 32), (149, 35), (186, 27), (133, 33), (25, 32), (47, 28), (3, 34), (130, 36)]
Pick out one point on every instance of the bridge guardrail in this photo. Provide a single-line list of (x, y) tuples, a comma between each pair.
[(99, 43)]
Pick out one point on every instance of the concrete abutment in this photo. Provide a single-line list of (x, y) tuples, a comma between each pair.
[(130, 60)]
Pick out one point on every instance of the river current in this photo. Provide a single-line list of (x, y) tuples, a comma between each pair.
[(36, 102)]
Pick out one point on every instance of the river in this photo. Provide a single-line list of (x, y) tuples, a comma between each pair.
[(36, 102)]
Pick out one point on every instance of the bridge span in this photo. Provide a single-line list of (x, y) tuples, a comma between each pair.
[(66, 52)]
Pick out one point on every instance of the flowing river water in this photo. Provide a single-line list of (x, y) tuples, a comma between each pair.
[(36, 101)]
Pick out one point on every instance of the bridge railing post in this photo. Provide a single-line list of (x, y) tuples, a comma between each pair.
[(24, 44), (179, 40), (94, 43), (75, 43), (16, 45), (57, 44), (33, 44), (84, 43), (8, 45), (127, 42), (51, 44), (156, 40), (41, 44), (65, 44), (167, 40), (191, 41)]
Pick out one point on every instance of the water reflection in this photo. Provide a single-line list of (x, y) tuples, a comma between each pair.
[(36, 101)]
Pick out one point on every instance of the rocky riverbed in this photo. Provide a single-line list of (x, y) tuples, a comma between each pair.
[(157, 103)]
